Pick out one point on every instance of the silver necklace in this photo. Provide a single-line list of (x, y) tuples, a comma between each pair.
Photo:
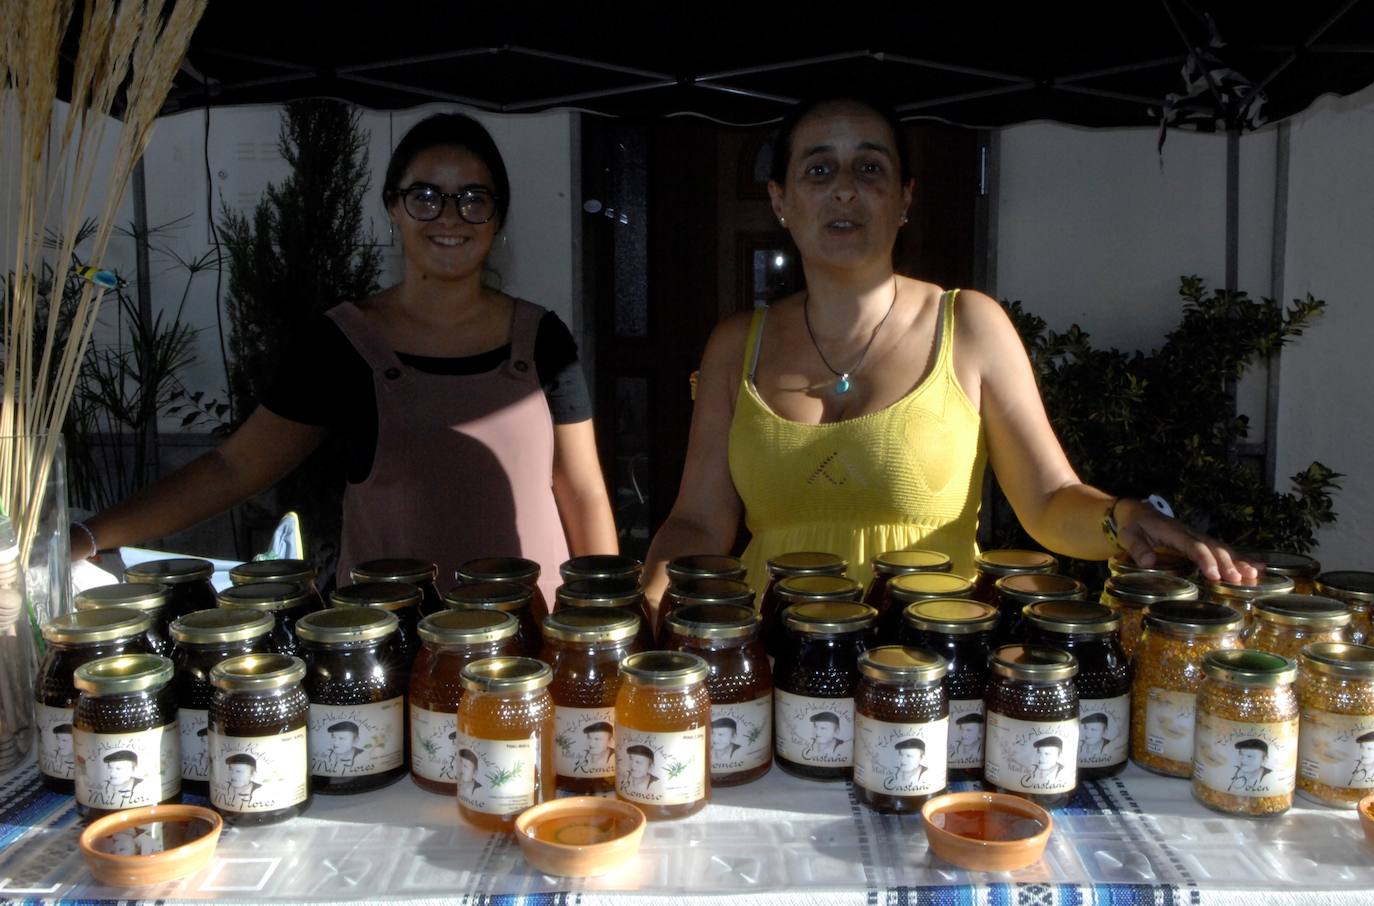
[(844, 384)]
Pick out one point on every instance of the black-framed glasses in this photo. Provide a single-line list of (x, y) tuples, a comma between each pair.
[(475, 204)]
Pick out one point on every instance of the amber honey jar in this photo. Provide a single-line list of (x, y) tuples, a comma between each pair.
[(1167, 563), (296, 572), (505, 740), (1356, 589), (201, 640), (662, 723), (689, 592), (284, 602), (790, 566), (910, 588), (357, 691), (740, 685), (1242, 596), (1284, 624), (887, 565), (1015, 592), (901, 728), (416, 573), (187, 579), (259, 748), (617, 593), (518, 570), (75, 639), (602, 566), (1336, 723), (999, 564), (585, 647), (1129, 593), (1302, 569), (960, 631), (146, 598), (449, 641), (1032, 724), (128, 750), (401, 600)]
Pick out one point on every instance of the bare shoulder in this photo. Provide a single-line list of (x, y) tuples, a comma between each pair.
[(725, 347), (374, 305), (983, 326)]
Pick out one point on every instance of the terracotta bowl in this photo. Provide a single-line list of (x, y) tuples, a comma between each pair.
[(177, 861), (580, 836), (982, 854), (1366, 808)]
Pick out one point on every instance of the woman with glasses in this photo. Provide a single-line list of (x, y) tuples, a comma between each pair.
[(464, 412)]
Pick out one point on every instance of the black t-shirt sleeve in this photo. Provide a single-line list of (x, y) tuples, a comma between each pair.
[(560, 372), (321, 379)]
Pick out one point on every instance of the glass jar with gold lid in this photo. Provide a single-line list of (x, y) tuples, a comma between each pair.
[(901, 728), (999, 564), (623, 594), (283, 602), (1283, 624), (1356, 589), (296, 572), (1167, 563), (1032, 724), (1241, 596), (705, 566), (1015, 592), (601, 566), (518, 570), (662, 723), (790, 566), (402, 600), (146, 598), (908, 589), (891, 564), (513, 598), (689, 592), (404, 570), (1130, 593), (1336, 723), (188, 581), (1302, 569)]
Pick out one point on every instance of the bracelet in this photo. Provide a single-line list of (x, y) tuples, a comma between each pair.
[(95, 548), (1109, 524)]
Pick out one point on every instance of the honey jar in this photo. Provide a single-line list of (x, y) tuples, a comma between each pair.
[(1129, 593), (187, 579), (514, 598), (662, 719), (901, 728), (283, 602), (998, 564), (1032, 724), (294, 572), (1336, 723), (908, 589), (790, 566), (415, 573), (146, 598), (1284, 624), (509, 569)]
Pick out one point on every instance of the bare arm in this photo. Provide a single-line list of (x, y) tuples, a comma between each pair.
[(264, 449), (579, 490)]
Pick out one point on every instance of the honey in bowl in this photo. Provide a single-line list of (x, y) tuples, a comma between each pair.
[(986, 831), (585, 828), (987, 824)]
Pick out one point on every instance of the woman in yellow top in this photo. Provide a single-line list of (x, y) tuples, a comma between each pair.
[(856, 417)]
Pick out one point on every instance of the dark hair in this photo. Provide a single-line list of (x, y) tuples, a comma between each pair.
[(825, 717), (599, 727), (1095, 718), (782, 141), (1258, 745), (912, 743), (121, 755), (1049, 741), (643, 751), (970, 718), (724, 723), (344, 726), (242, 758), (445, 130)]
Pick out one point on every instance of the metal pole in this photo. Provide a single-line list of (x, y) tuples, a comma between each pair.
[(1277, 291), (143, 285), (1232, 208)]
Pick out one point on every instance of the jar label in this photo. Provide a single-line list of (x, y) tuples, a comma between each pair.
[(741, 735), (584, 742), (1169, 720), (814, 731), (56, 746), (1104, 729), (1337, 749), (900, 759), (966, 734), (195, 750), (1246, 759), (128, 770), (259, 773), (660, 768), (497, 776), (1031, 756), (355, 740), (433, 754)]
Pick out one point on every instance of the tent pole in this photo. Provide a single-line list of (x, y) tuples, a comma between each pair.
[(143, 284), (1232, 207), (1277, 291)]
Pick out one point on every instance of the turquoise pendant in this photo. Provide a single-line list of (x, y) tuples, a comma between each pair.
[(842, 385)]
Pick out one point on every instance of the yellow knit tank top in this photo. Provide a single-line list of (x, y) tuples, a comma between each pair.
[(904, 477)]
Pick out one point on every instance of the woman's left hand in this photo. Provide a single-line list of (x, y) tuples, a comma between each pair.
[(1141, 529)]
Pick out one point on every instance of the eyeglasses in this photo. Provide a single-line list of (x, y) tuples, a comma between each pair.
[(475, 204)]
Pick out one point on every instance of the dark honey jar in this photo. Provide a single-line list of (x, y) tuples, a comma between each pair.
[(905, 590), (75, 639), (705, 566), (688, 592), (449, 641), (509, 569), (901, 728), (297, 572), (888, 565), (1015, 592), (622, 594), (128, 751), (404, 570), (513, 598), (357, 699), (188, 581), (259, 739), (740, 684), (791, 566), (998, 564), (814, 678), (150, 600), (400, 599), (602, 566), (284, 602), (201, 640), (1032, 725)]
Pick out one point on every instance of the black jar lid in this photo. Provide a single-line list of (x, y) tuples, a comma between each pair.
[(1339, 659), (91, 627), (257, 672), (1193, 617), (664, 669), (1035, 663), (1282, 563), (467, 627), (394, 569), (1072, 617), (1249, 668), (268, 596), (301, 572), (913, 587), (123, 673), (220, 626), (1351, 585), (1139, 589), (951, 616), (901, 664), (599, 593), (896, 563), (1009, 562), (508, 596), (1167, 563), (1264, 584), (714, 621), (133, 596), (806, 563), (499, 569), (506, 674), (1305, 611), (706, 566), (391, 596), (829, 617), (176, 571), (713, 591), (1029, 588), (601, 566), (808, 589), (345, 625), (591, 625)]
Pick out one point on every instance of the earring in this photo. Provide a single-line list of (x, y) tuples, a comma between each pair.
[(782, 222), (391, 230), (902, 222)]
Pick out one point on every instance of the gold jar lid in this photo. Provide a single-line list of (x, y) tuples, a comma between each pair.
[(1264, 584), (467, 627), (123, 673), (268, 596), (1033, 663), (591, 625), (1010, 562), (896, 563), (806, 589), (829, 618), (300, 572), (1282, 563), (1247, 667), (1353, 586), (508, 596), (257, 672), (1306, 611), (176, 571), (900, 664), (951, 616), (599, 593), (713, 591), (1072, 617), (91, 627), (1193, 617), (345, 625), (601, 566), (392, 596), (136, 596), (394, 569), (705, 566), (1028, 588), (1139, 589), (1167, 563), (714, 621), (664, 669), (507, 674), (806, 563), (1339, 659), (914, 587), (499, 569), (220, 626)]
